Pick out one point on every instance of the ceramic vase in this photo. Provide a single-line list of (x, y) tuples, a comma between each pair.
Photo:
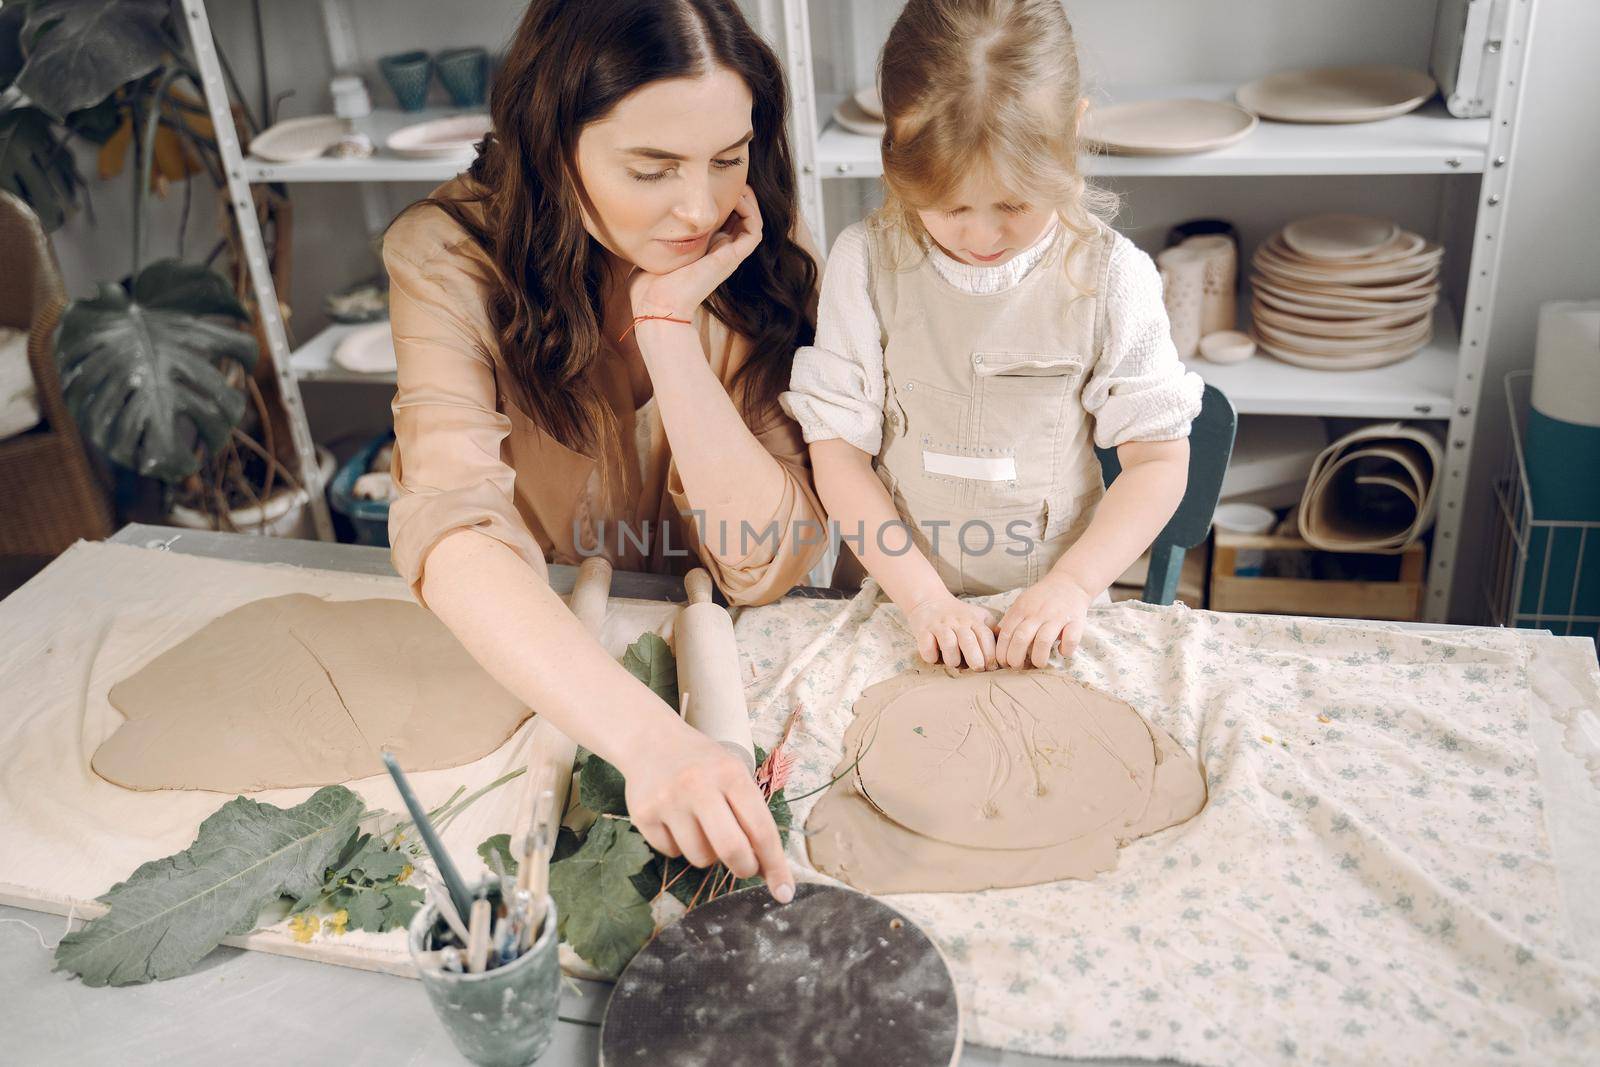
[(1219, 289), (1183, 272), (408, 74), (464, 73)]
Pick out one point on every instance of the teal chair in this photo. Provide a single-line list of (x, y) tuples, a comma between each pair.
[(1210, 447)]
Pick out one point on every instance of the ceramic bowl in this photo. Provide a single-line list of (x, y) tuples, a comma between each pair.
[(1227, 346)]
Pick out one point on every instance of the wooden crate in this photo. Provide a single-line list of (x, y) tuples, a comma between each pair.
[(1399, 600)]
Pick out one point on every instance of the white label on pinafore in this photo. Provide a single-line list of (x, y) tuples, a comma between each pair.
[(978, 468)]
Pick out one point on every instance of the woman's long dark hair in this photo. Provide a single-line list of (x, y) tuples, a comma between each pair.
[(570, 64)]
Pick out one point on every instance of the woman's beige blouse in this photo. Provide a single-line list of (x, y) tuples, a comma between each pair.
[(467, 457)]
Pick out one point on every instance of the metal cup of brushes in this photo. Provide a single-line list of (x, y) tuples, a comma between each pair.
[(500, 1007)]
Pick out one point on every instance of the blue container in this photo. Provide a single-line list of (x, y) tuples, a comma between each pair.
[(370, 518)]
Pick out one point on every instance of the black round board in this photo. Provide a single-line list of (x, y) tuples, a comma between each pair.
[(833, 976)]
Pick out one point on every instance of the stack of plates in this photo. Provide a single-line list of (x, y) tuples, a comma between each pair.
[(1344, 292)]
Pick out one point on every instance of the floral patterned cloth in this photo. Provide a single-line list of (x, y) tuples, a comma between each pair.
[(1371, 880)]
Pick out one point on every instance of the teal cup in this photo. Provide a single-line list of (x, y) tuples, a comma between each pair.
[(464, 73), (408, 74), (504, 1016)]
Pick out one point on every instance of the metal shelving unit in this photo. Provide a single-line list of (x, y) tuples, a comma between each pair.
[(1442, 383)]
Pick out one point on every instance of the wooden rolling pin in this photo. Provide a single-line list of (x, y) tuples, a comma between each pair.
[(552, 748), (711, 691)]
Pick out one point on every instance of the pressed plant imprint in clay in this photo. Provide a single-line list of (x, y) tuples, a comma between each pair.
[(298, 691), (965, 780)]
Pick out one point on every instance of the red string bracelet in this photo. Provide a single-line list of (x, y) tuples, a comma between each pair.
[(637, 319)]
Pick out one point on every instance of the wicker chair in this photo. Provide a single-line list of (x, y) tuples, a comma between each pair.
[(50, 495)]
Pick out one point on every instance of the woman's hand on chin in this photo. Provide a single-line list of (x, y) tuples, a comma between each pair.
[(679, 293)]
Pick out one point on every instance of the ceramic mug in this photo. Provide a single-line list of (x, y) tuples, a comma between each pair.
[(1219, 300), (1183, 273)]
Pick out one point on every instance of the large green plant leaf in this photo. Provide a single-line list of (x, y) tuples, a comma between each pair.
[(601, 914), (35, 165), (650, 660), (171, 912), (139, 373), (82, 50)]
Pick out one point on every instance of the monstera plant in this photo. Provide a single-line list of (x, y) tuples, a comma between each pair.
[(164, 370)]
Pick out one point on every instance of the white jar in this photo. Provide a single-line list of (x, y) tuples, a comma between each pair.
[(350, 98)]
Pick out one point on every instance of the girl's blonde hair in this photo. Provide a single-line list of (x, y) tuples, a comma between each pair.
[(993, 84)]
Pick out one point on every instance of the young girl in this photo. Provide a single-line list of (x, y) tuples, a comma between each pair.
[(977, 336)]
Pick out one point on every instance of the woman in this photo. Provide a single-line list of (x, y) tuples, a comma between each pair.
[(593, 325)]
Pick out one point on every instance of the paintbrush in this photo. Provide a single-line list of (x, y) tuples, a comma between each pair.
[(441, 901), (528, 824), (537, 848), (478, 939), (441, 859)]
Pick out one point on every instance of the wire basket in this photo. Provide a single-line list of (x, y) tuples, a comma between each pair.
[(1535, 577)]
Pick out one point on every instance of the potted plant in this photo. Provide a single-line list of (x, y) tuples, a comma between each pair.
[(165, 370)]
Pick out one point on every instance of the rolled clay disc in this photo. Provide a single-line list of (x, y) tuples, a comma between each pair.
[(299, 691), (1007, 759), (850, 838)]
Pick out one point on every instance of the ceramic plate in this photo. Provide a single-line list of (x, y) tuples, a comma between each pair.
[(1344, 346), (1315, 325), (454, 136), (1405, 247), (1367, 304), (850, 116), (297, 140), (1166, 127), (369, 350), (1339, 236), (1366, 361), (870, 102), (1337, 94), (1401, 272), (1310, 313)]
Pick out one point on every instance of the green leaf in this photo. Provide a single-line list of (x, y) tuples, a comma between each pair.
[(602, 789), (85, 49), (404, 900), (36, 166), (501, 844), (364, 908), (602, 916), (172, 911), (650, 660), (141, 374), (567, 842)]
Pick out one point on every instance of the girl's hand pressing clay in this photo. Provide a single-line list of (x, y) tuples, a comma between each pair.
[(1051, 612), (690, 797), (950, 630)]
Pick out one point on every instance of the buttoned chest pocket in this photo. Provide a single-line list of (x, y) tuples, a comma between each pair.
[(923, 424), (1026, 409)]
